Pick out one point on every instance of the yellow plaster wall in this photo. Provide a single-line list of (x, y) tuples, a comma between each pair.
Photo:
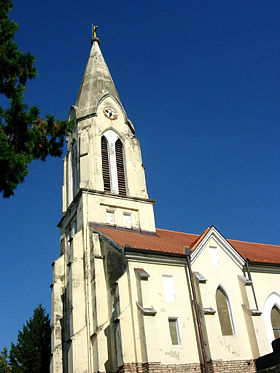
[(237, 346), (265, 284), (95, 207), (156, 345)]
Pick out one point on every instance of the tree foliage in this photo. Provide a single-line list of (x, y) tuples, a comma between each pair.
[(4, 365), (24, 135), (32, 352)]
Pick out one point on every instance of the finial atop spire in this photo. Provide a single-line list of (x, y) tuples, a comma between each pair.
[(94, 28), (94, 37)]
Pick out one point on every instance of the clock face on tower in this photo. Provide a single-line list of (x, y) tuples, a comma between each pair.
[(110, 113)]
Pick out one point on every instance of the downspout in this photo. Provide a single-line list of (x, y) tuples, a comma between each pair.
[(199, 327), (250, 278)]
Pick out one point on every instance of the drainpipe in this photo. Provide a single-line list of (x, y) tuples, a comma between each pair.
[(250, 278), (199, 327)]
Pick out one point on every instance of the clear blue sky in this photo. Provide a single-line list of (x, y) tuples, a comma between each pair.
[(201, 82)]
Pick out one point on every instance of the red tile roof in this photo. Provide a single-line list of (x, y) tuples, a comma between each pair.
[(172, 242), (257, 252)]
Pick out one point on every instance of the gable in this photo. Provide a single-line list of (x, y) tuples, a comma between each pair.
[(215, 247)]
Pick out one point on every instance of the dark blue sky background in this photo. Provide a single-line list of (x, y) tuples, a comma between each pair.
[(201, 82)]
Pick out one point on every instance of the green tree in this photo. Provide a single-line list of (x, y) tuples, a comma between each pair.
[(4, 365), (24, 135), (32, 352)]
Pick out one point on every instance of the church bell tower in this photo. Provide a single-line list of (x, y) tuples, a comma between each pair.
[(103, 186), (103, 171)]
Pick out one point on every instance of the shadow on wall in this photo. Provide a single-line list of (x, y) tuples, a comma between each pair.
[(270, 363)]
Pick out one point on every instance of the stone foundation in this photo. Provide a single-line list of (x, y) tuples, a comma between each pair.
[(218, 366)]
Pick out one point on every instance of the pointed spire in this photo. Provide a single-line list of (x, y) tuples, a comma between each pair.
[(97, 81)]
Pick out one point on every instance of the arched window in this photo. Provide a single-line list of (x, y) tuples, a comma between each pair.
[(275, 321), (224, 312), (74, 168), (72, 172), (120, 167), (271, 311), (113, 169), (105, 165)]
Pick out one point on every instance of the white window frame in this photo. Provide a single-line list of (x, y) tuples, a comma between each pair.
[(272, 300), (112, 137)]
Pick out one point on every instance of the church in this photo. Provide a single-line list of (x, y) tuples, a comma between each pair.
[(128, 297)]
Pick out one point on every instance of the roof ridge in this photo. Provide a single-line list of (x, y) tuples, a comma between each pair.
[(171, 230), (254, 243), (228, 239)]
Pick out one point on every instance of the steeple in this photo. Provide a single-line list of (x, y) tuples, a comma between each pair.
[(103, 168), (97, 82)]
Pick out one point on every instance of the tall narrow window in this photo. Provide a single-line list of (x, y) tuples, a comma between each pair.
[(105, 165), (275, 321), (113, 163), (174, 330), (168, 287), (74, 168), (72, 172), (120, 167), (224, 312)]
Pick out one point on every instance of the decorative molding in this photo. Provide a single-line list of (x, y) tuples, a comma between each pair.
[(264, 267), (146, 256)]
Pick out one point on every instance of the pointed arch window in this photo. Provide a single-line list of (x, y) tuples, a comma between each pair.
[(74, 167), (275, 321), (113, 169), (224, 312), (105, 164), (72, 172), (120, 167)]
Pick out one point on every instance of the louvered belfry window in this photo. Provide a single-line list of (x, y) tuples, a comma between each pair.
[(105, 165), (120, 167), (74, 168)]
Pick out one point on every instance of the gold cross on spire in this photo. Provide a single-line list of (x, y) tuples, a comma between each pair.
[(94, 28)]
